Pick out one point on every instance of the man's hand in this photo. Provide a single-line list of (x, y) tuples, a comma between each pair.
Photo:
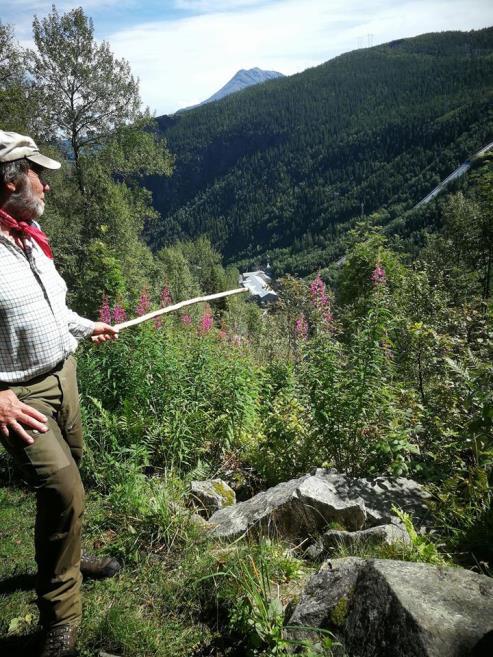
[(13, 412), (103, 332)]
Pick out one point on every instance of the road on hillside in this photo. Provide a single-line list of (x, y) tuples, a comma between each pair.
[(460, 171)]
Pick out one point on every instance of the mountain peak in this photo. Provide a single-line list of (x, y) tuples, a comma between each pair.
[(241, 80)]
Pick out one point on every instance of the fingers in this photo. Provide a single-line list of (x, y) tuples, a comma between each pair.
[(98, 339), (32, 412), (14, 412), (31, 423), (21, 432)]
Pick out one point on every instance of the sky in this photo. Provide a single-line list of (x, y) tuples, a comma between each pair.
[(183, 51)]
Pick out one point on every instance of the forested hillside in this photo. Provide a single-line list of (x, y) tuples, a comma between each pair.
[(285, 168)]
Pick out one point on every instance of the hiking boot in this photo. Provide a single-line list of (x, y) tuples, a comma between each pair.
[(98, 567), (60, 641)]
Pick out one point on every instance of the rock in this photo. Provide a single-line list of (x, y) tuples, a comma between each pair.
[(334, 539), (325, 599), (380, 494), (304, 506), (400, 609), (211, 495), (291, 509)]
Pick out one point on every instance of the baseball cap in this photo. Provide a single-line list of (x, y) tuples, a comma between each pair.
[(17, 147)]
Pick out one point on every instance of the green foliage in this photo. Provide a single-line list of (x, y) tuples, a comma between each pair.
[(87, 93), (174, 389), (279, 453), (361, 424), (250, 585), (13, 84), (424, 549)]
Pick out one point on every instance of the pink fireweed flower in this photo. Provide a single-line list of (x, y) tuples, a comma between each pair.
[(165, 297), (378, 275), (328, 317), (318, 293), (144, 304), (206, 322), (104, 311), (223, 334), (119, 314), (186, 319), (301, 327)]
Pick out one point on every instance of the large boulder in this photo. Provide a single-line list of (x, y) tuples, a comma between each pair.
[(293, 509), (380, 494), (400, 609), (305, 506), (210, 495)]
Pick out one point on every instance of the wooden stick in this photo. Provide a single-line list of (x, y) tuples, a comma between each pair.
[(177, 306)]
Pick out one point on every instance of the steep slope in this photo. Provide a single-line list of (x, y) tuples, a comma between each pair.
[(286, 167)]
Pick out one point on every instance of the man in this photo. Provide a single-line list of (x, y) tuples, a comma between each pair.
[(39, 406)]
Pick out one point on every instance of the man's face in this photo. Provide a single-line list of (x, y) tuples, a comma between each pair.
[(27, 202), (37, 188)]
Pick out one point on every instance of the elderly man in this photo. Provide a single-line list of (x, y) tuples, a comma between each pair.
[(39, 406)]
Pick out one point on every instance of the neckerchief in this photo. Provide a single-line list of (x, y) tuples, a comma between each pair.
[(23, 229)]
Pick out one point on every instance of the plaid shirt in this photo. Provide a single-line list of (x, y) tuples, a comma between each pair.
[(37, 330)]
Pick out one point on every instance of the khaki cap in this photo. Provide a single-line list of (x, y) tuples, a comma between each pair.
[(17, 147)]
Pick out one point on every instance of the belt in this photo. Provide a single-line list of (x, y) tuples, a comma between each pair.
[(36, 379)]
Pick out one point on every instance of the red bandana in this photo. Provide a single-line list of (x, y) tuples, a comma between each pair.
[(23, 229)]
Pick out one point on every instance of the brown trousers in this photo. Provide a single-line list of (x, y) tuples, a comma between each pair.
[(50, 466)]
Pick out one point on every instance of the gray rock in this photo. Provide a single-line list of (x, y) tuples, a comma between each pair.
[(304, 506), (292, 509), (325, 599), (380, 494), (400, 609), (334, 539), (211, 495)]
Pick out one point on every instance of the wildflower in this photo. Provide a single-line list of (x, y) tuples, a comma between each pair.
[(104, 311), (328, 317), (301, 327), (119, 314), (223, 334), (186, 319), (378, 275), (165, 297), (144, 304), (206, 322), (318, 293)]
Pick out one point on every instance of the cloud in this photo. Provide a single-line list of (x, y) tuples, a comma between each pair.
[(213, 6), (21, 12), (183, 61)]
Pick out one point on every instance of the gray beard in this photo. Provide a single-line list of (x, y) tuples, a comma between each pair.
[(22, 206)]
